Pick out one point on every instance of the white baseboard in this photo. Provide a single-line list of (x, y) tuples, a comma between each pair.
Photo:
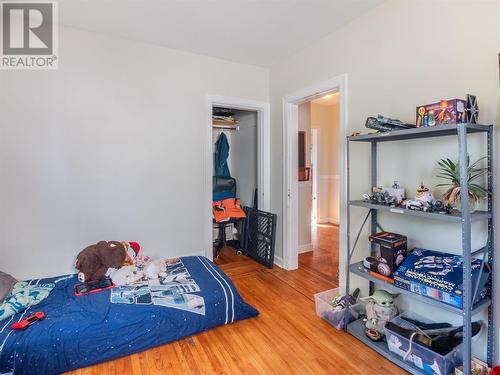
[(194, 253), (278, 261), (305, 248), (328, 220)]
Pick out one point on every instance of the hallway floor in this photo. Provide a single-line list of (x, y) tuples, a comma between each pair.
[(323, 260)]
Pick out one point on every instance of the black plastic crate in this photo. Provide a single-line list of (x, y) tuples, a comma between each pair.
[(259, 236)]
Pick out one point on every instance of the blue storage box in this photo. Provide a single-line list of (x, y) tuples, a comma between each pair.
[(440, 276)]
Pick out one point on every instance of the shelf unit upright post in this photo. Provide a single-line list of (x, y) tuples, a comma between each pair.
[(373, 181), (464, 218), (491, 245)]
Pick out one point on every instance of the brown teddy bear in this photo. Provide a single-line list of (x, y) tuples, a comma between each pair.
[(94, 261)]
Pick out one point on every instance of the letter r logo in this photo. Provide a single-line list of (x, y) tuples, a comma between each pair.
[(27, 28)]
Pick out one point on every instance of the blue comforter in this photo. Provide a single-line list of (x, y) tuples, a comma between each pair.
[(80, 331)]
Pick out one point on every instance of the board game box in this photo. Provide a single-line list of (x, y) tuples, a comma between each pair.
[(440, 276), (444, 112)]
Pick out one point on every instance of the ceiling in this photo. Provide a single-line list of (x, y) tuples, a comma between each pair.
[(258, 32)]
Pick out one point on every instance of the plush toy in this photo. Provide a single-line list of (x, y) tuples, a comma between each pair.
[(141, 261), (155, 269), (126, 275), (94, 261), (380, 309)]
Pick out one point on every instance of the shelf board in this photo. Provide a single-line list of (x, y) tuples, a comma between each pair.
[(454, 217), (359, 270), (424, 132)]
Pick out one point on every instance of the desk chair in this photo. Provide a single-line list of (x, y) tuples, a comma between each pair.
[(223, 188)]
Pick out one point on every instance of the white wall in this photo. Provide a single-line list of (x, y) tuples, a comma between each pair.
[(325, 118), (110, 146), (395, 62), (244, 156), (305, 187)]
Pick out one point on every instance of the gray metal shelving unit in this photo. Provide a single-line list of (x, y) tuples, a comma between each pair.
[(463, 218)]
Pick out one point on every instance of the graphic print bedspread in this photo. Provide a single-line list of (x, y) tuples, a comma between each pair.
[(80, 331)]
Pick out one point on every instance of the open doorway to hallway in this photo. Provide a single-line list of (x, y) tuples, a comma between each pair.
[(319, 189)]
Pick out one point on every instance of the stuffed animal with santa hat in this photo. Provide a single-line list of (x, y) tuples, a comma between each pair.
[(95, 261)]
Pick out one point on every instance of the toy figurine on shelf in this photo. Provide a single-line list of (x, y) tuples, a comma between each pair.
[(471, 109), (423, 194), (339, 302), (379, 196), (380, 308), (388, 196), (395, 196)]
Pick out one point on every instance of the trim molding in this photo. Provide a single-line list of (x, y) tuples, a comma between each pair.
[(305, 248), (329, 177), (304, 184), (278, 261), (328, 220)]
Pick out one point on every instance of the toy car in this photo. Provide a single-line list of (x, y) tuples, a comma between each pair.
[(25, 323), (414, 205)]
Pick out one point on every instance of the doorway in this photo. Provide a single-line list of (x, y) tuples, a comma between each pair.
[(291, 191), (248, 158), (318, 224)]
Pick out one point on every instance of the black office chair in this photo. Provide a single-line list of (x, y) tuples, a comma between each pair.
[(223, 188)]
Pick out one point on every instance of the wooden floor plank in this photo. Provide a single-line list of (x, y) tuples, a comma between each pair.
[(323, 259)]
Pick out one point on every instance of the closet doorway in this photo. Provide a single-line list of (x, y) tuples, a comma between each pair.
[(237, 169)]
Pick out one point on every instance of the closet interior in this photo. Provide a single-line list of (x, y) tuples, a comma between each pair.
[(235, 174)]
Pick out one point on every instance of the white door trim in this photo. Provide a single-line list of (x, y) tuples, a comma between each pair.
[(263, 156), (314, 162), (290, 170)]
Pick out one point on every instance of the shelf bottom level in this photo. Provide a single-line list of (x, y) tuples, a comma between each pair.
[(357, 329)]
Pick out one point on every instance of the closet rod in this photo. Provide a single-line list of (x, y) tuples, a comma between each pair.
[(226, 127)]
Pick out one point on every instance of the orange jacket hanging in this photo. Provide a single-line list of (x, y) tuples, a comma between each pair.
[(226, 209)]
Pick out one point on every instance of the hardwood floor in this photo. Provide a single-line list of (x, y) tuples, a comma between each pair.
[(286, 338), (323, 260)]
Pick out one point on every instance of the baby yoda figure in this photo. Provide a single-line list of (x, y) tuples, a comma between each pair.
[(380, 309)]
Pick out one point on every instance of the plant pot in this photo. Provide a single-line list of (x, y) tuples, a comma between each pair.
[(458, 205)]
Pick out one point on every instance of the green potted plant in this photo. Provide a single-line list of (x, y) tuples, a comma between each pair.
[(450, 171)]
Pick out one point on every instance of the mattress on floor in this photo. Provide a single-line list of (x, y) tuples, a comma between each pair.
[(81, 331)]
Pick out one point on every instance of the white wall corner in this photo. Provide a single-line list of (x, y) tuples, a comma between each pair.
[(278, 261), (305, 248)]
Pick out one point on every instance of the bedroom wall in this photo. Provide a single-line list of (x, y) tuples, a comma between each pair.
[(394, 62), (243, 153), (109, 146)]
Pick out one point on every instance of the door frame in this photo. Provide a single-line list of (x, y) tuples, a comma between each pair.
[(263, 157), (290, 171), (314, 171)]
